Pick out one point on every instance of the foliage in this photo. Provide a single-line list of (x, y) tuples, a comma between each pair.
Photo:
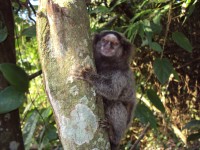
[(166, 63), (166, 67), (25, 91), (182, 41), (193, 125), (15, 76), (10, 99), (13, 96)]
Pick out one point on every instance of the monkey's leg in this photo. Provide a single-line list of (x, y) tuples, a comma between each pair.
[(130, 106), (117, 115)]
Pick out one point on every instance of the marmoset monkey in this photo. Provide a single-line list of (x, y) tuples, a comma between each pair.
[(114, 81)]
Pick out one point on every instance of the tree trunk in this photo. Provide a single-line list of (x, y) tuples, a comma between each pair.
[(64, 44), (10, 131)]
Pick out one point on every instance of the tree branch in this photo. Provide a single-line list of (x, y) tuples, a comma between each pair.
[(133, 147), (34, 75)]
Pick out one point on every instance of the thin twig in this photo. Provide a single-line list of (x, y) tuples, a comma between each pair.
[(188, 63), (32, 8), (111, 22), (169, 18), (133, 147)]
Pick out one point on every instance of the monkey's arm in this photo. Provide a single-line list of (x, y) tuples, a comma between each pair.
[(110, 86)]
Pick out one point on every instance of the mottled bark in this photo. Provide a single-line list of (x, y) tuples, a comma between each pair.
[(64, 44), (10, 131)]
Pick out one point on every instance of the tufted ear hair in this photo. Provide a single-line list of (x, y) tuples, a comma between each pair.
[(96, 38), (128, 47)]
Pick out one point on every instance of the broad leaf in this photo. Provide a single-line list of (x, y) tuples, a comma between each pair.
[(30, 31), (47, 135), (182, 41), (51, 133), (147, 26), (15, 75), (156, 28), (148, 33), (132, 30), (117, 3), (141, 14), (156, 25), (155, 100), (10, 99), (156, 47), (100, 9), (176, 75), (193, 137), (29, 128), (194, 124), (162, 68), (46, 113), (145, 115)]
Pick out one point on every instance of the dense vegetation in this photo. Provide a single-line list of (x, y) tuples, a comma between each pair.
[(166, 64)]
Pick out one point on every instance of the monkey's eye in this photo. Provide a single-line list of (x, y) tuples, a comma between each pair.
[(103, 40), (115, 44)]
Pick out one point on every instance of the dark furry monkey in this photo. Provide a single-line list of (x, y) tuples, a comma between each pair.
[(114, 81)]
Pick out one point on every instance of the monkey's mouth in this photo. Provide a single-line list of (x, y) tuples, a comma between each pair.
[(108, 52)]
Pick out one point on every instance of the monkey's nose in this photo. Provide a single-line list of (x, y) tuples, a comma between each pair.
[(108, 45)]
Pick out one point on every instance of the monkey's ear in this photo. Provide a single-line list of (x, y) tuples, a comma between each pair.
[(128, 48), (127, 45), (96, 38)]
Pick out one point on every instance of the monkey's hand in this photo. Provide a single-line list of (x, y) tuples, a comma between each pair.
[(104, 123), (84, 73)]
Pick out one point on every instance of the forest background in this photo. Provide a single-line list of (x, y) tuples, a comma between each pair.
[(166, 65)]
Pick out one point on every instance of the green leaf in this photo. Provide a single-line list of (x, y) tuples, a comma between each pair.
[(29, 128), (132, 30), (147, 26), (182, 41), (193, 137), (10, 99), (118, 2), (16, 76), (30, 31), (155, 24), (157, 17), (155, 46), (47, 135), (141, 14), (156, 28), (51, 133), (100, 9), (3, 34), (176, 75), (194, 124), (145, 115), (46, 113), (155, 100), (159, 1), (162, 68), (148, 33)]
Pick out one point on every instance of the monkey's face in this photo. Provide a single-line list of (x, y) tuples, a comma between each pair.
[(109, 46)]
